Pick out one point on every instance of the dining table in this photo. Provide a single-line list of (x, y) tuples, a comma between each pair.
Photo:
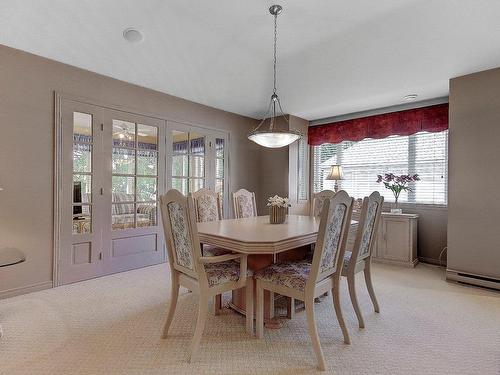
[(265, 244)]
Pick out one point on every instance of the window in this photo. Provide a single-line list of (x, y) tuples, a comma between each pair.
[(188, 161), (423, 153), (199, 160), (134, 175)]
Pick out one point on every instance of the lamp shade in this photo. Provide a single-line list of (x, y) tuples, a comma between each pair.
[(336, 173), (274, 139)]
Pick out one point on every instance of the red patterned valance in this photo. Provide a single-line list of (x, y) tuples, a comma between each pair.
[(430, 119)]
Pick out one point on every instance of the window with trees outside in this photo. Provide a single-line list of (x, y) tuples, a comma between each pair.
[(423, 153)]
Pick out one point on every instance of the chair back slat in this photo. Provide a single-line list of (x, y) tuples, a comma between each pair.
[(181, 233), (332, 236), (367, 227), (207, 205), (244, 204), (319, 200)]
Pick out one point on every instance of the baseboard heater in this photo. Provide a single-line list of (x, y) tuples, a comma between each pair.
[(468, 278)]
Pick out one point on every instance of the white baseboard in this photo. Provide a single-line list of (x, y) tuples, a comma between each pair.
[(25, 289), (472, 279)]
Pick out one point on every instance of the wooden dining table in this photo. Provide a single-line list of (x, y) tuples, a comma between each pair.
[(265, 243)]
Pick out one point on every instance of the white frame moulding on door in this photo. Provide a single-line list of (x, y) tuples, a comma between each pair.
[(59, 97)]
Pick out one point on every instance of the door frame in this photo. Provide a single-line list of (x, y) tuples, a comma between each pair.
[(59, 98)]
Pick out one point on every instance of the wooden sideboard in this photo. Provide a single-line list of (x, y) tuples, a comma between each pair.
[(396, 240)]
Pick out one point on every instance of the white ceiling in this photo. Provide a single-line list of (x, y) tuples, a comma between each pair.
[(334, 56)]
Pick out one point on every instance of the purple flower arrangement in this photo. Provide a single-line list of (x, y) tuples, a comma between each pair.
[(396, 183)]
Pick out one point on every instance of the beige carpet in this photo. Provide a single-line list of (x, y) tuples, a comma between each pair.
[(112, 325)]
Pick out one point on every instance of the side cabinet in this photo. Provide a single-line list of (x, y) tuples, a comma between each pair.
[(397, 240)]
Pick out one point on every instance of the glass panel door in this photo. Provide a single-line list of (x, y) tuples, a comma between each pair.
[(134, 175), (82, 173), (110, 173), (198, 160), (188, 161)]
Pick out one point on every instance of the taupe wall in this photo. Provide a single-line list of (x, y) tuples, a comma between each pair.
[(432, 228), (27, 85), (474, 152)]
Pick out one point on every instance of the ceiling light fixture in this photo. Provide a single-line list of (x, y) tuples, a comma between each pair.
[(132, 35), (410, 97), (269, 135)]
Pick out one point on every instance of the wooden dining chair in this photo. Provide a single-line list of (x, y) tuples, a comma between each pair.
[(304, 280), (208, 207), (209, 276), (318, 200), (244, 204), (359, 259)]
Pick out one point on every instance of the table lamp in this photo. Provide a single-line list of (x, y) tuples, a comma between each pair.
[(336, 174)]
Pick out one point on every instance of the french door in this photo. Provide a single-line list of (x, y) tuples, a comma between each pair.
[(198, 158), (111, 170)]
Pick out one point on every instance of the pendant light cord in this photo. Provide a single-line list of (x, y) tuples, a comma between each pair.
[(275, 40)]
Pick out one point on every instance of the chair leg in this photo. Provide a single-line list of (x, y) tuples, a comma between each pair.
[(290, 308), (200, 325), (217, 304), (354, 299), (338, 311), (313, 332), (259, 310), (369, 286), (271, 305), (174, 295), (249, 305)]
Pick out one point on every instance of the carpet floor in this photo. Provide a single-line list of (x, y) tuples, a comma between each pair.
[(112, 325)]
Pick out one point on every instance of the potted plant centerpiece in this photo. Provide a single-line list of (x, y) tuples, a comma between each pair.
[(278, 209), (397, 184)]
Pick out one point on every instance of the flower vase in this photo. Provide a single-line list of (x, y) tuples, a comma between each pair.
[(277, 215), (395, 209)]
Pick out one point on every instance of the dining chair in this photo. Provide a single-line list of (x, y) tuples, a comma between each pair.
[(359, 259), (306, 280), (208, 207), (318, 200), (209, 276), (244, 204)]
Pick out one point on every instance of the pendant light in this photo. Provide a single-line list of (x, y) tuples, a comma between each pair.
[(269, 133)]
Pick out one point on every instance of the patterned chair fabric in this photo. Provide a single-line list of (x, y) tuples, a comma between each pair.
[(180, 233), (213, 251), (332, 238), (371, 215), (291, 275), (207, 208), (318, 205), (245, 205), (223, 272)]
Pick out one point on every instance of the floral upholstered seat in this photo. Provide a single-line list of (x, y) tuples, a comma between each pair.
[(291, 275), (213, 251), (218, 273)]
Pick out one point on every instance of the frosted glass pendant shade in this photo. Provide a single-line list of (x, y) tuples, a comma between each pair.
[(274, 139)]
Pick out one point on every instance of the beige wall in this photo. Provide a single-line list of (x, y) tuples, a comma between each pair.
[(474, 152), (27, 85)]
